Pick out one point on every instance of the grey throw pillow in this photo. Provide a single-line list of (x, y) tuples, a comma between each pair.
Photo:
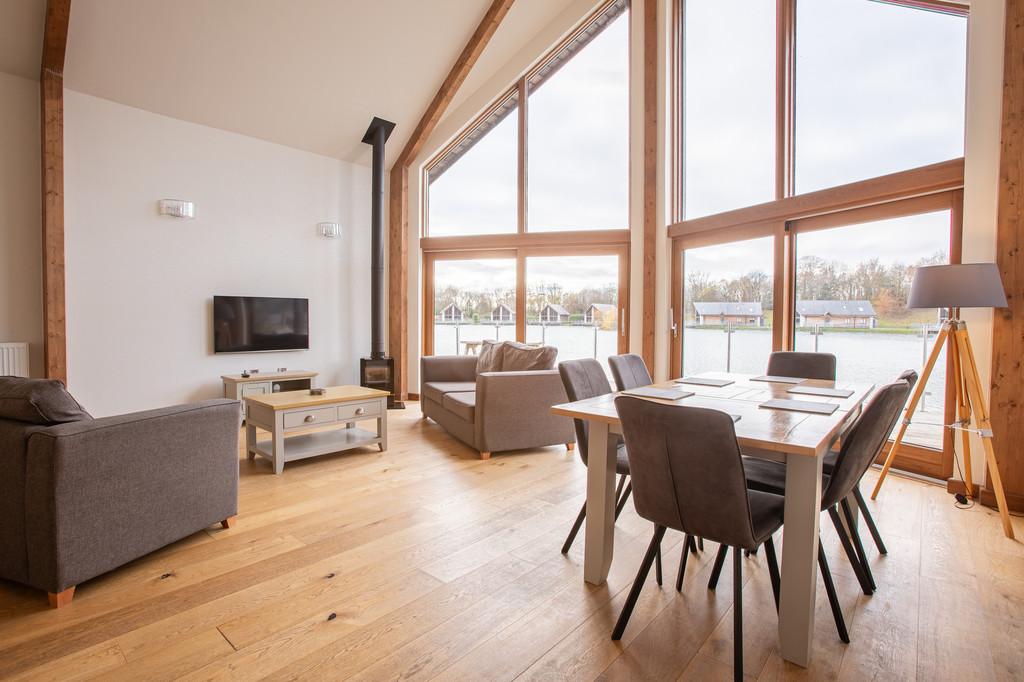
[(522, 357), (38, 401), (490, 358)]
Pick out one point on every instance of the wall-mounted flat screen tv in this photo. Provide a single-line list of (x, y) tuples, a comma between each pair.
[(252, 324)]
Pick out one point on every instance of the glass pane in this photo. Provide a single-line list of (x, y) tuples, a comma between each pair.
[(851, 300), (474, 188), (474, 300), (727, 307), (578, 140), (879, 88), (728, 105), (572, 303)]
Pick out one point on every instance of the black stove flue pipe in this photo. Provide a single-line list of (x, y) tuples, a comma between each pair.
[(376, 135)]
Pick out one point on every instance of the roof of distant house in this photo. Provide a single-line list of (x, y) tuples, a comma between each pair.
[(836, 308), (603, 307), (560, 310), (729, 308)]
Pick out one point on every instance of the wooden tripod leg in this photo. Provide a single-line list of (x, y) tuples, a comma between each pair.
[(983, 423), (963, 412), (940, 342)]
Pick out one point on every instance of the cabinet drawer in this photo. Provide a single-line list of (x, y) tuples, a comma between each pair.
[(359, 411), (311, 417), (261, 388)]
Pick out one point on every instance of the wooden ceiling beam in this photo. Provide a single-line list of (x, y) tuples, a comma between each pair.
[(398, 203), (51, 90)]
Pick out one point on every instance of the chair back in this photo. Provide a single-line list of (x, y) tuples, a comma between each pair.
[(864, 440), (802, 365), (584, 379), (686, 470), (629, 371)]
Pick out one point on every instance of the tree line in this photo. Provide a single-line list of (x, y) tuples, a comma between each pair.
[(477, 303)]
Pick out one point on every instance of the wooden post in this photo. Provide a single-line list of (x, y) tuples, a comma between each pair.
[(51, 91), (1008, 325), (650, 192)]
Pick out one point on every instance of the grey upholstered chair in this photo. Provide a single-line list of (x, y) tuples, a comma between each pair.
[(802, 365), (687, 474), (860, 447), (586, 379)]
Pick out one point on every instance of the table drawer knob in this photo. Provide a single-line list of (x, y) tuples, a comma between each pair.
[(310, 418), (359, 411)]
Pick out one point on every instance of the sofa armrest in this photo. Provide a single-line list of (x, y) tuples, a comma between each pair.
[(102, 492), (447, 368), (513, 410)]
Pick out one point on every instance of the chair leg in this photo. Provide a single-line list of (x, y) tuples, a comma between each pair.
[(857, 544), (700, 544), (687, 543), (851, 554), (833, 599), (773, 569), (638, 583), (870, 521), (621, 499), (737, 615), (575, 529), (657, 565), (691, 544), (716, 570)]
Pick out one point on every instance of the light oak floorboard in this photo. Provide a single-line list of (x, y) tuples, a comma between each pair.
[(425, 562)]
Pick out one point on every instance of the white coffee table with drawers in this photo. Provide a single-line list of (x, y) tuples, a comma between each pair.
[(296, 421)]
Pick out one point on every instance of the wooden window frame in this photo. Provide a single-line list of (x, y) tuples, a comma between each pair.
[(936, 186)]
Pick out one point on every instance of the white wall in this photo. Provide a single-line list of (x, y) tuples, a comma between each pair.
[(140, 285), (21, 297)]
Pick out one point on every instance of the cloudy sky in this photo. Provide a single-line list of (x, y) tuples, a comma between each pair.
[(879, 88)]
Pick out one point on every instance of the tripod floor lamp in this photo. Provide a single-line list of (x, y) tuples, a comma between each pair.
[(971, 285)]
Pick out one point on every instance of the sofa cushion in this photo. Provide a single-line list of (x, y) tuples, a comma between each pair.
[(435, 390), (461, 404), (489, 359), (518, 357), (38, 401)]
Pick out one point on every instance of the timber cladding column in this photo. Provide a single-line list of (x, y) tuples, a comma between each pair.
[(1008, 327), (398, 202), (51, 90)]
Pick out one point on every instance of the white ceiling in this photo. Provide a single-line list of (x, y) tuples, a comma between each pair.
[(308, 74)]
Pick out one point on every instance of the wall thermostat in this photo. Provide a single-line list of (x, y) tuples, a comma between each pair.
[(178, 208), (328, 229)]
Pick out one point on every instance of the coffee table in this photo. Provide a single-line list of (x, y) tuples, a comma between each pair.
[(296, 421)]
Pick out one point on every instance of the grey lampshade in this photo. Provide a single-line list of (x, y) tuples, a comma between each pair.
[(970, 285)]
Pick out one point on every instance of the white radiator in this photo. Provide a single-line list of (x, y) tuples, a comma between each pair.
[(14, 359)]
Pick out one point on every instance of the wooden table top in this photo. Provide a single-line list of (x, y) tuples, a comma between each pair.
[(270, 376), (287, 400), (781, 431)]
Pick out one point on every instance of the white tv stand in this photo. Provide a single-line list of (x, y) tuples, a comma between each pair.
[(237, 386)]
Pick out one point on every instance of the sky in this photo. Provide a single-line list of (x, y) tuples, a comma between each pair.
[(879, 88)]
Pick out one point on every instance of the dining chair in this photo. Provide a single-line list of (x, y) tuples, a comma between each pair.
[(799, 365), (687, 475), (860, 447), (586, 379), (630, 371)]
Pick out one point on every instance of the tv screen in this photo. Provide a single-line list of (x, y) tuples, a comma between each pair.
[(247, 324)]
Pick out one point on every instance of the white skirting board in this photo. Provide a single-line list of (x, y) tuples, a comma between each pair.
[(14, 359)]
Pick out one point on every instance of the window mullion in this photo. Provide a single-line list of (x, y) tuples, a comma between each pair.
[(521, 161)]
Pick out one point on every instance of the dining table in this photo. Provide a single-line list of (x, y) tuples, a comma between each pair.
[(799, 439)]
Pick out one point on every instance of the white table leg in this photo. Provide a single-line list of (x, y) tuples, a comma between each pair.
[(600, 525), (278, 442), (250, 441), (800, 558), (382, 425)]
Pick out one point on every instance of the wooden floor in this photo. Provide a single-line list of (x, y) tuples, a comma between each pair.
[(426, 563)]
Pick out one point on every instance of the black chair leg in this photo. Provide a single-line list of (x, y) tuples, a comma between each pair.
[(773, 569), (716, 570), (870, 521), (687, 542), (700, 544), (851, 554), (638, 583), (575, 529), (657, 565), (857, 544), (691, 544), (737, 615), (833, 599), (621, 500)]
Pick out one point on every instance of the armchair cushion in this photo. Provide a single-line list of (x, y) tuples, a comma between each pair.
[(436, 390), (519, 357), (461, 404), (490, 356), (38, 401)]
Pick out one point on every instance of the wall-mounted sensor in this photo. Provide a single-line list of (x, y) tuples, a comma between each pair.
[(178, 208), (328, 229)]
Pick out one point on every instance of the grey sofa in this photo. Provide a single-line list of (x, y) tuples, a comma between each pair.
[(81, 496), (494, 411)]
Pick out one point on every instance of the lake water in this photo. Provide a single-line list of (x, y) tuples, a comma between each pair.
[(863, 356)]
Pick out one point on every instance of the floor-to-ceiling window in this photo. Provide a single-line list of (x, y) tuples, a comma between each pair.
[(820, 162), (526, 234)]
